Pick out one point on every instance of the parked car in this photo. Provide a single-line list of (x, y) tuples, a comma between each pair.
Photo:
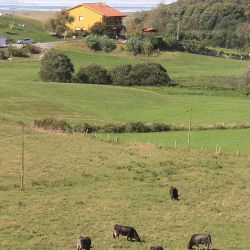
[(25, 41)]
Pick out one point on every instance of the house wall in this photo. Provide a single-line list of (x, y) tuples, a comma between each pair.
[(90, 17)]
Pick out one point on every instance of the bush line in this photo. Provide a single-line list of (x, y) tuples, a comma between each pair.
[(130, 127)]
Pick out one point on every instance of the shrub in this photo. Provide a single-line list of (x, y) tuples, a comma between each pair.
[(32, 49), (134, 45), (93, 74), (137, 127), (80, 33), (56, 67), (52, 124), (150, 74), (106, 43), (147, 47), (83, 128), (17, 52), (121, 75), (158, 42), (160, 127), (99, 28), (112, 128), (96, 42), (3, 55), (81, 76), (93, 42)]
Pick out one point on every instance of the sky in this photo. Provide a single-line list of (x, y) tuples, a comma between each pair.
[(72, 2)]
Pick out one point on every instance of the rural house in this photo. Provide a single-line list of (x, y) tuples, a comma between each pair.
[(87, 14)]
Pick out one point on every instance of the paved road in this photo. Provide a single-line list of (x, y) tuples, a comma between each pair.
[(45, 46)]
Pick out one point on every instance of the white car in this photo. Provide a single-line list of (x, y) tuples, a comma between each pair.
[(25, 41)]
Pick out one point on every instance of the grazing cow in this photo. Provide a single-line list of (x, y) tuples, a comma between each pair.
[(130, 232), (83, 243), (197, 239), (156, 248), (174, 193)]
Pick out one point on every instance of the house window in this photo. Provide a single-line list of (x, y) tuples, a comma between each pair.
[(80, 18)]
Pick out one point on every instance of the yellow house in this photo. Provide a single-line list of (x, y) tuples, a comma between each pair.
[(87, 14)]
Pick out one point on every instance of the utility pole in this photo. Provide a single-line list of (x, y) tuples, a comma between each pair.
[(189, 126), (22, 167)]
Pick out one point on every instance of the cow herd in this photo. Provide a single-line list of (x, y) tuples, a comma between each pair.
[(132, 235)]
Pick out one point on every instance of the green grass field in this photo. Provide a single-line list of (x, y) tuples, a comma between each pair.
[(25, 98), (78, 185), (229, 140), (179, 65), (33, 29)]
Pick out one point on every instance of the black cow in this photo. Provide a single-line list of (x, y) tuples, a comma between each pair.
[(197, 239), (130, 232), (173, 192), (83, 243), (156, 248)]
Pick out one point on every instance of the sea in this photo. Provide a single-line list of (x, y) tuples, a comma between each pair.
[(21, 7)]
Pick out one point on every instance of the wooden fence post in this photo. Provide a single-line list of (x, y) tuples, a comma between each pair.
[(22, 165)]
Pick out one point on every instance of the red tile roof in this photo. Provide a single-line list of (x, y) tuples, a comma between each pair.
[(149, 29), (104, 9)]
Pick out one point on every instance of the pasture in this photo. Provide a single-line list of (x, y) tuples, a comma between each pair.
[(77, 185), (25, 98), (33, 29)]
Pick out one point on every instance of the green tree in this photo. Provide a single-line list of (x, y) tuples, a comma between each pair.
[(147, 47), (99, 28), (134, 45), (56, 67), (59, 24)]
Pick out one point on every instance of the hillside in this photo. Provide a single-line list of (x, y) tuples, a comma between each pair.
[(222, 23), (76, 184), (25, 27), (214, 100)]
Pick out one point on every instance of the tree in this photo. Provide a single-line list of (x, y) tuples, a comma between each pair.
[(134, 45), (99, 28), (56, 67), (147, 47), (59, 24)]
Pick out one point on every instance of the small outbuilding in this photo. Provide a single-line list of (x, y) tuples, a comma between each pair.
[(3, 42), (149, 30)]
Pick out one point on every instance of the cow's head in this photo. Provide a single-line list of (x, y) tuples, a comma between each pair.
[(190, 245)]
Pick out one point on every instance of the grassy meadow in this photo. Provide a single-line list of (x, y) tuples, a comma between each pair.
[(79, 185), (33, 29)]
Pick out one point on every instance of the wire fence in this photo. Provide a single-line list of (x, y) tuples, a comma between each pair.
[(22, 133)]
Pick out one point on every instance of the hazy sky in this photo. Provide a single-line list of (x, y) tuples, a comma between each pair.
[(72, 2)]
